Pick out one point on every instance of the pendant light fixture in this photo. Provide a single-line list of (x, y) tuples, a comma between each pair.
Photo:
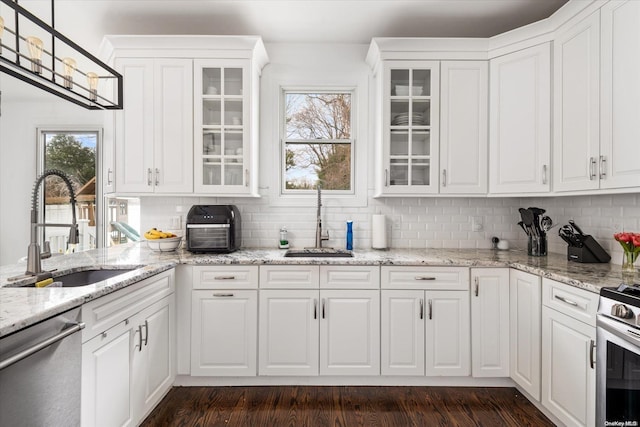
[(32, 58)]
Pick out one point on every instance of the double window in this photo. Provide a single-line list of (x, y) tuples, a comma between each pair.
[(318, 143)]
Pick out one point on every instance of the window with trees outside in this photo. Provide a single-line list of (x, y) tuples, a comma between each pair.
[(318, 141), (75, 154)]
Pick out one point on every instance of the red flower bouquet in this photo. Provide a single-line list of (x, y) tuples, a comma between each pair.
[(630, 243)]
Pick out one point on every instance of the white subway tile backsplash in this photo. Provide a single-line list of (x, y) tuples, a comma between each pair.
[(436, 222)]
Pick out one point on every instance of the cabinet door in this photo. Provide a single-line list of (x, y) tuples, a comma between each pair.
[(520, 115), (106, 378), (464, 122), (620, 109), (154, 360), (222, 91), (402, 332), (350, 332), (447, 344), (568, 379), (224, 333), (490, 322), (525, 305), (289, 332), (173, 126), (576, 129), (134, 127), (411, 118), (108, 154)]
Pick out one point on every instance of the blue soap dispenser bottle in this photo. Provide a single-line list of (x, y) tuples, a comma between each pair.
[(349, 235)]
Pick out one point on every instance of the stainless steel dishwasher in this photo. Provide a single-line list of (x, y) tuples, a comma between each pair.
[(40, 370)]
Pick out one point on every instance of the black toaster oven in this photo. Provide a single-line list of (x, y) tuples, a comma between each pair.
[(213, 229)]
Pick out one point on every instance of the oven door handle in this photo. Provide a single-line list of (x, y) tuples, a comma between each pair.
[(43, 344)]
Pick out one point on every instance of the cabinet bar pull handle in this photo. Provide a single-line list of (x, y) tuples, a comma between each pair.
[(386, 177), (592, 168), (568, 301), (424, 278), (146, 332), (421, 308), (444, 177), (603, 169), (592, 346), (430, 310), (109, 173), (43, 344), (224, 278), (246, 177), (323, 314), (139, 338), (157, 177), (544, 174), (315, 308), (222, 295), (477, 283), (149, 177)]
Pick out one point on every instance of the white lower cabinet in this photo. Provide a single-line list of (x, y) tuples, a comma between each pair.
[(490, 322), (289, 332), (448, 349), (524, 343), (305, 330), (350, 332), (568, 354), (425, 332), (129, 366), (224, 332)]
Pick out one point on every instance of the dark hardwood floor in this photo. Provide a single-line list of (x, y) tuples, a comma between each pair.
[(345, 407)]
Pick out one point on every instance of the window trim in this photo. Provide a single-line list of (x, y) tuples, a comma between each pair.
[(283, 91), (40, 150)]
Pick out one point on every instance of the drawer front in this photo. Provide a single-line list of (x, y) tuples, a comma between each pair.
[(289, 276), (428, 278), (349, 277), (107, 311), (575, 302), (225, 277)]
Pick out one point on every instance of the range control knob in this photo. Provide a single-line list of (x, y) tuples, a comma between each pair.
[(621, 311)]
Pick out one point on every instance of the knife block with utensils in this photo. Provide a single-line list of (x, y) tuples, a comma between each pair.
[(589, 252)]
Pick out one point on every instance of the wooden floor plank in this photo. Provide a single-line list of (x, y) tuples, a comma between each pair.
[(344, 406)]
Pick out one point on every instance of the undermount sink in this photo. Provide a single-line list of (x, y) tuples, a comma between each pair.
[(318, 252), (89, 276)]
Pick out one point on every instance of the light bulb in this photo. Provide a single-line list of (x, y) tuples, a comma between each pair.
[(1, 31), (35, 50), (92, 79), (69, 68)]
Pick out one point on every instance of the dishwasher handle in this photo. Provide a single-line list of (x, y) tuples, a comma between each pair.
[(43, 344)]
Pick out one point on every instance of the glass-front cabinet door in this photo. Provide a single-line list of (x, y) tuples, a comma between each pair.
[(410, 115), (221, 107)]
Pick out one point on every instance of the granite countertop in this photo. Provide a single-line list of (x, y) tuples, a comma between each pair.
[(22, 307)]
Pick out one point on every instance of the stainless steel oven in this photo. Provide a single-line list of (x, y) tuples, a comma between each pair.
[(618, 357)]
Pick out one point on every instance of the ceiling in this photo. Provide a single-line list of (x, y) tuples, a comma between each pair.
[(307, 21), (283, 21)]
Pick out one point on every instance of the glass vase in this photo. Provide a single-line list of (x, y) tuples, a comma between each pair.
[(628, 268)]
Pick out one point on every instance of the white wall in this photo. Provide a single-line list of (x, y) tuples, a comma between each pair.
[(23, 111)]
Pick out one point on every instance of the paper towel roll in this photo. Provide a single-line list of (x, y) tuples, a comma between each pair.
[(378, 232)]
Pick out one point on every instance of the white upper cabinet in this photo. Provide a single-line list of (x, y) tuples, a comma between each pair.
[(463, 127), (173, 87), (153, 133), (576, 138), (410, 132), (519, 117), (620, 95)]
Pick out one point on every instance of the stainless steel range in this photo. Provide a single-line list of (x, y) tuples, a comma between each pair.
[(618, 357)]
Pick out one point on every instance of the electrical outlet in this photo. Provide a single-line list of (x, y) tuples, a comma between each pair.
[(175, 222), (476, 223)]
